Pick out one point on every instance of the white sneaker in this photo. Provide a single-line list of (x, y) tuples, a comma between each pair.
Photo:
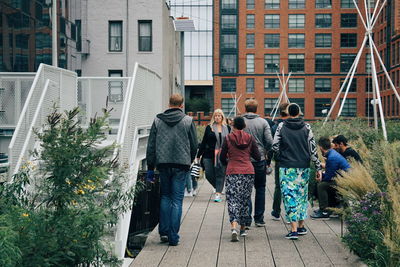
[(194, 192), (217, 198), (188, 194), (234, 236)]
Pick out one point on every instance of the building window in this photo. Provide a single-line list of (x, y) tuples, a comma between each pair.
[(271, 40), (250, 63), (250, 21), (228, 63), (228, 41), (115, 36), (368, 63), (272, 21), (145, 35), (347, 4), (348, 20), (323, 85), (227, 106), (228, 4), (322, 106), (228, 22), (368, 85), (296, 85), (353, 86), (250, 85), (346, 60), (323, 40), (349, 108), (271, 85), (323, 3), (296, 62), (297, 4), (296, 21), (300, 102), (228, 85), (271, 63), (272, 4), (250, 4), (78, 24), (250, 40), (269, 104), (323, 62), (296, 40), (115, 87), (323, 21), (348, 40)]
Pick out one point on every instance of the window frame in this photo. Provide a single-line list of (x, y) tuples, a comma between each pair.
[(140, 48), (110, 22)]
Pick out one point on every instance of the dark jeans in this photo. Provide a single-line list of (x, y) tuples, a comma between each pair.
[(276, 205), (327, 195), (260, 180), (215, 175), (172, 186)]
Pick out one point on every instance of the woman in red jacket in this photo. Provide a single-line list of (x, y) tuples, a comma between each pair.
[(237, 150)]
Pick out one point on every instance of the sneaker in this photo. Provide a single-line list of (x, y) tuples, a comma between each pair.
[(217, 198), (275, 216), (259, 223), (174, 244), (301, 231), (243, 233), (194, 192), (234, 236), (320, 215), (188, 194), (292, 236), (164, 239), (334, 215)]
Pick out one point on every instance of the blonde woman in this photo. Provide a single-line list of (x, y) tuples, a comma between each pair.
[(210, 150)]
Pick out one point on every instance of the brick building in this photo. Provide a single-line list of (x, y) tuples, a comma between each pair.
[(316, 40)]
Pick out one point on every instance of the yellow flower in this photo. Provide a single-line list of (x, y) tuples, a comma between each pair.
[(25, 215), (74, 202), (80, 192), (68, 182), (90, 181)]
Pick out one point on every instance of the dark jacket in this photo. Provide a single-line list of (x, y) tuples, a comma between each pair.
[(275, 126), (207, 145), (237, 149), (351, 153), (334, 163), (172, 141), (260, 130), (295, 145)]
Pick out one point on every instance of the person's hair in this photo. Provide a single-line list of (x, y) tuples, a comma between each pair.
[(340, 139), (283, 109), (238, 123), (293, 109), (175, 100), (251, 105), (218, 111), (325, 143)]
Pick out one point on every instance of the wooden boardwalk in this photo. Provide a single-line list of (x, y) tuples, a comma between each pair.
[(205, 240)]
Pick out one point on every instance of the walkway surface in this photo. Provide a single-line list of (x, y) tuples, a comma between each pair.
[(205, 240)]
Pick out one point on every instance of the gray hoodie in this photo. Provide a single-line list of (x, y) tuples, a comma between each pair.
[(172, 141), (259, 128)]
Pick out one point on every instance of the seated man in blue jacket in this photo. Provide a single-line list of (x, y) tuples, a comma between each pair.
[(334, 163)]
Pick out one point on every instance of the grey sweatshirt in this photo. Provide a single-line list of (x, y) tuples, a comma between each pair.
[(260, 130)]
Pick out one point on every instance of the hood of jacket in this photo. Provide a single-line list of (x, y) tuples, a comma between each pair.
[(251, 116), (240, 139), (171, 116), (294, 124)]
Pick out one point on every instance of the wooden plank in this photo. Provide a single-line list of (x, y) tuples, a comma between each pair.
[(230, 253), (205, 252), (257, 247), (153, 251)]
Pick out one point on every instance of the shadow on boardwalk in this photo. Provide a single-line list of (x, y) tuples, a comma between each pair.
[(205, 240)]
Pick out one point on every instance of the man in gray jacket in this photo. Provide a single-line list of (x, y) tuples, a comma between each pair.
[(261, 131), (171, 148)]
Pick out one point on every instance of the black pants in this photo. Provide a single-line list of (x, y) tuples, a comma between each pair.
[(276, 205), (260, 181), (327, 195)]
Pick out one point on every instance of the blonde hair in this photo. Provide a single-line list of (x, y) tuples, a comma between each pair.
[(176, 100), (251, 105), (218, 111)]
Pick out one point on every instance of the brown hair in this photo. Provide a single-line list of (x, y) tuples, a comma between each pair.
[(251, 105), (175, 100), (283, 109)]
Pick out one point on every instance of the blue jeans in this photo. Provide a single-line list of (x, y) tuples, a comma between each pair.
[(260, 180), (189, 182), (172, 186)]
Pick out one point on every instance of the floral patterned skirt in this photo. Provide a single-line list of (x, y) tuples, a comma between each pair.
[(294, 187)]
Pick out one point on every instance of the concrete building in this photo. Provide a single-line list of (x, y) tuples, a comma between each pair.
[(316, 40), (198, 51)]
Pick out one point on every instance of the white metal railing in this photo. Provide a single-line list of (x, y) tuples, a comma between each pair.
[(63, 94)]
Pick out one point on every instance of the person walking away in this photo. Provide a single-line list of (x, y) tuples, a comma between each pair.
[(171, 148), (295, 146), (237, 150), (210, 150), (276, 204), (326, 185), (341, 146), (261, 131)]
